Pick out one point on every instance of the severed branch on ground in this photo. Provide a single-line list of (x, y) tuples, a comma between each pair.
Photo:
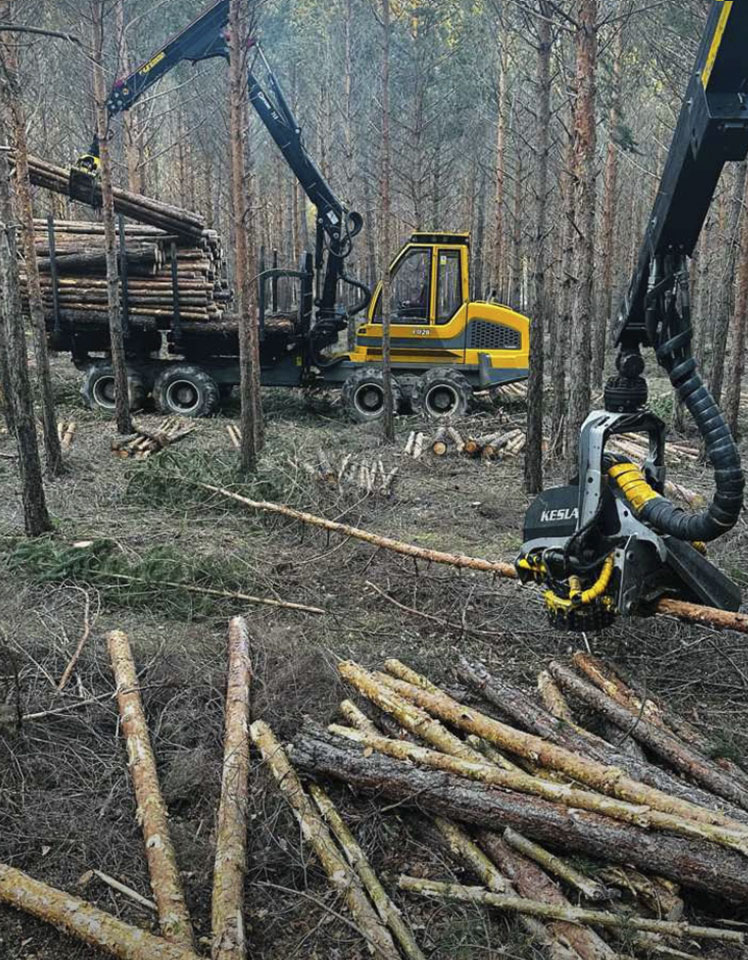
[(144, 443)]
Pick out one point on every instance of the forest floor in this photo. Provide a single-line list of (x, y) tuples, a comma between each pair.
[(66, 804)]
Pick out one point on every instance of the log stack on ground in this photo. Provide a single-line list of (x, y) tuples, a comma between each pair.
[(80, 265), (447, 441), (144, 443)]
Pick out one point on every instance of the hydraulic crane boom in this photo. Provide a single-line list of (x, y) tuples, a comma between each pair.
[(205, 39), (611, 542)]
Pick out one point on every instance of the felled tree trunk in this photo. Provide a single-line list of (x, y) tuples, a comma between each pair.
[(79, 919), (314, 831), (655, 738), (162, 862), (229, 940), (693, 863), (515, 703)]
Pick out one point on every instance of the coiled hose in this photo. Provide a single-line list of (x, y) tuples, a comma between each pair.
[(669, 327)]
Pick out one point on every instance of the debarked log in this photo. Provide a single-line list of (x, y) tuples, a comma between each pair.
[(693, 863)]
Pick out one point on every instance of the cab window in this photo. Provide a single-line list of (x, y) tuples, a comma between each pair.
[(449, 285), (411, 289)]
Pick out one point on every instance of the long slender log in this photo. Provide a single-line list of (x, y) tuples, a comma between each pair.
[(388, 912), (693, 863), (532, 882), (552, 698), (599, 776), (555, 938), (166, 883), (606, 679), (523, 711), (86, 923), (341, 876), (461, 846), (229, 936), (692, 612), (454, 891), (590, 889), (656, 739), (569, 796)]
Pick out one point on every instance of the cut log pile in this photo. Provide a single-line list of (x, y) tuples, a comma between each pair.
[(370, 476), (144, 443), (447, 440), (81, 274), (511, 802)]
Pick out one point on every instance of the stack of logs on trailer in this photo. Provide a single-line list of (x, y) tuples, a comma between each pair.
[(168, 282)]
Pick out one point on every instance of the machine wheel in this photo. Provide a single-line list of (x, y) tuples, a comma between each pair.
[(186, 390), (97, 389), (408, 383), (442, 392), (363, 395)]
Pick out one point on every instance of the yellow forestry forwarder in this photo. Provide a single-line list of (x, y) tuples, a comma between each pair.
[(444, 346)]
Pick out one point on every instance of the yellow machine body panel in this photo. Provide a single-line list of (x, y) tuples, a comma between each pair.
[(434, 322)]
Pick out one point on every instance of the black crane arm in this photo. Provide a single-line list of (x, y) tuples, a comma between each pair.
[(204, 39), (712, 130)]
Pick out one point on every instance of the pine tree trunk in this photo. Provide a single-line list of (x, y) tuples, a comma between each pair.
[(584, 241), (116, 334), (562, 325), (12, 102), (498, 246), (722, 320), (736, 367), (36, 518), (608, 229), (534, 449), (249, 387), (385, 227)]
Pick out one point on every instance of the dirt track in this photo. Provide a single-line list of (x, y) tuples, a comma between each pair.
[(65, 800)]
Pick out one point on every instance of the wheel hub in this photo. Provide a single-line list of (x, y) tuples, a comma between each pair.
[(183, 396), (442, 399), (370, 398)]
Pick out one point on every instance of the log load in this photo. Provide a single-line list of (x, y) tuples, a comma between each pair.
[(81, 274)]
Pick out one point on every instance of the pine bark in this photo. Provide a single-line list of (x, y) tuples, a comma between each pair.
[(11, 96), (341, 876), (534, 448), (609, 214), (385, 225), (249, 388), (585, 140), (702, 866), (116, 333), (229, 935), (736, 366), (166, 882), (562, 321), (73, 916), (19, 398)]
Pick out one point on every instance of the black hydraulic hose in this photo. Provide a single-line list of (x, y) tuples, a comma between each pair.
[(672, 333)]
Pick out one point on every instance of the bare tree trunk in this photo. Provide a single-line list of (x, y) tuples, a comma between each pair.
[(498, 246), (736, 367), (515, 287), (480, 234), (116, 334), (245, 300), (385, 227), (562, 325), (610, 207), (19, 397), (534, 449), (584, 242), (11, 96), (722, 320), (130, 124)]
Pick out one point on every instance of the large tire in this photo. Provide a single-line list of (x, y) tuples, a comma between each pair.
[(363, 395), (97, 388), (186, 390), (442, 393)]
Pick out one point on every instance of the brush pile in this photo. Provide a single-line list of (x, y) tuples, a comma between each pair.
[(81, 274), (448, 441), (545, 814)]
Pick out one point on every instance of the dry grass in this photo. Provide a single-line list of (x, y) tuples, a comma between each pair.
[(65, 800)]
